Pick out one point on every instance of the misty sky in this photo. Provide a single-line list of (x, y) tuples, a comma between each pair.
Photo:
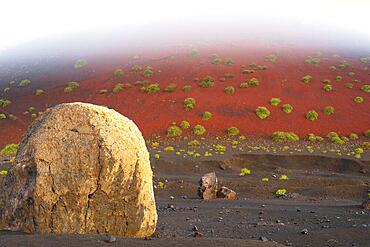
[(25, 20)]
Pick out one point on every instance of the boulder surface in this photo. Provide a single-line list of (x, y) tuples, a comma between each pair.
[(80, 168)]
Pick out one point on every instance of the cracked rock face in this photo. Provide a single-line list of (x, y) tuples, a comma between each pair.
[(80, 168)]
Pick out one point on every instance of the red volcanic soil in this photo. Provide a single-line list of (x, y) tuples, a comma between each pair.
[(172, 62)]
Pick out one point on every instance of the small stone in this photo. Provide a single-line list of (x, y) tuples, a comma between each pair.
[(171, 197), (304, 231), (208, 186), (263, 239), (195, 229), (110, 239), (226, 193)]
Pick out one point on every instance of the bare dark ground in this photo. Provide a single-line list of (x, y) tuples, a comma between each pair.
[(322, 207)]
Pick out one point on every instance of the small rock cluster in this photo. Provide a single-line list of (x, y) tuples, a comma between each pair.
[(209, 188)]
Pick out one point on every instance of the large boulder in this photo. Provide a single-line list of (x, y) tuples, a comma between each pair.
[(80, 168)]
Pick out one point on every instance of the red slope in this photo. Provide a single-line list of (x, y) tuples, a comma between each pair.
[(153, 113)]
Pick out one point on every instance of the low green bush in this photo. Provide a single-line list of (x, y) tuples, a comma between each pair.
[(2, 116), (244, 85), (170, 88), (343, 64), (351, 74), (271, 58), (80, 63), (118, 73), (335, 138), (229, 90), (367, 133), (247, 71), (207, 82), (148, 72), (174, 131), (314, 138), (349, 85), (275, 101), (39, 92), (152, 88), (328, 110), (366, 88), (199, 130), (327, 88), (24, 83), (287, 108), (194, 143), (306, 79), (103, 91), (312, 60), (207, 115), (282, 136), (186, 88), (184, 124), (189, 104), (228, 61), (10, 149), (338, 78), (253, 82), (4, 103), (332, 68), (136, 68), (262, 112), (216, 59), (312, 115), (117, 88), (353, 136), (326, 81), (358, 99), (233, 131)]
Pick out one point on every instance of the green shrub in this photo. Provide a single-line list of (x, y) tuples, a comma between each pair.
[(68, 89), (349, 85), (216, 60), (152, 88), (358, 99), (228, 61), (118, 73), (253, 82), (282, 136), (244, 85), (103, 91), (312, 60), (366, 88), (328, 110), (326, 81), (194, 52), (262, 112), (247, 71), (136, 68), (206, 115), (314, 138), (10, 149), (220, 148), (39, 91), (184, 124), (327, 88), (189, 104), (332, 68), (194, 143), (367, 133), (207, 82), (353, 136), (229, 90), (2, 116), (233, 131), (271, 58), (287, 108), (338, 78), (343, 64), (170, 88), (275, 101), (199, 130), (148, 72), (174, 131), (24, 83), (186, 88), (312, 115), (73, 84), (335, 138), (351, 74), (4, 103), (306, 79), (117, 88), (80, 63)]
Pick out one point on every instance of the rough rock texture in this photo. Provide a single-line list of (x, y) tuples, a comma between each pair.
[(226, 193), (366, 204), (81, 168), (208, 186)]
